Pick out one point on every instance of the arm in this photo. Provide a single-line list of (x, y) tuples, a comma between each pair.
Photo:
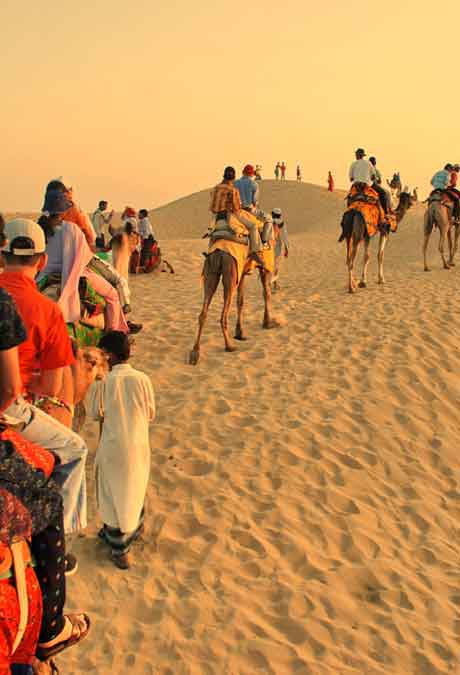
[(10, 377)]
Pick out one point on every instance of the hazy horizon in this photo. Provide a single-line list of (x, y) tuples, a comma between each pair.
[(142, 105)]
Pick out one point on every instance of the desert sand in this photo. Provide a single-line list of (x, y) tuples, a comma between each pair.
[(304, 504)]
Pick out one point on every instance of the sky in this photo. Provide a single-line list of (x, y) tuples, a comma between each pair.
[(143, 102)]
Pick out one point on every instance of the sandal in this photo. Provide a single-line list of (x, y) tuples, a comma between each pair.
[(77, 635)]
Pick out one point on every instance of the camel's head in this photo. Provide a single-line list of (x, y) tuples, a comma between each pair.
[(406, 200), (94, 362)]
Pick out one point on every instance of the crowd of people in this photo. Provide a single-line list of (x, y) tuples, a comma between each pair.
[(42, 460)]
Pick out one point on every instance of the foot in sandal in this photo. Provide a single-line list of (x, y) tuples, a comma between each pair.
[(76, 628)]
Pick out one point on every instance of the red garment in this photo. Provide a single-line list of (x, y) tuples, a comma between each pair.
[(48, 345), (33, 454), (76, 215), (330, 183), (9, 621)]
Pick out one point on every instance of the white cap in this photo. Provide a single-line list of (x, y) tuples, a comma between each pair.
[(24, 237)]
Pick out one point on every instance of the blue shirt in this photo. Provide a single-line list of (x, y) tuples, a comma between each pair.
[(440, 180), (248, 189)]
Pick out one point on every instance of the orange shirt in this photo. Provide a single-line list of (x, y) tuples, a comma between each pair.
[(48, 345), (75, 215)]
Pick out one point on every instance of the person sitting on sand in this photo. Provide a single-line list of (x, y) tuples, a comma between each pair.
[(125, 403)]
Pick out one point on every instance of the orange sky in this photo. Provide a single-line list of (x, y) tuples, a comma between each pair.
[(141, 102)]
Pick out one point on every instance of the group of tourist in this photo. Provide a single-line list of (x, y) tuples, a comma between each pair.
[(42, 461), (236, 213)]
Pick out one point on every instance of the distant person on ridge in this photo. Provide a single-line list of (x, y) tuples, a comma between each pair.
[(283, 168), (277, 171), (330, 182), (299, 173), (258, 172)]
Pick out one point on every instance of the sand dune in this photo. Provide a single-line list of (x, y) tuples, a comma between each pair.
[(304, 503)]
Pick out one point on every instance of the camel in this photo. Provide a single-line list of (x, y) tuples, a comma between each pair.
[(438, 213), (90, 364), (356, 234), (220, 264)]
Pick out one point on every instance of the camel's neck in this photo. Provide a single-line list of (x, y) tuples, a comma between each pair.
[(401, 212)]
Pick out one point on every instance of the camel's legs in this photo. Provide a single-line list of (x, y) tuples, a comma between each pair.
[(455, 246), (239, 332), (382, 243), (443, 233), (426, 239), (352, 252), (229, 281), (211, 281), (363, 282), (451, 245), (265, 280)]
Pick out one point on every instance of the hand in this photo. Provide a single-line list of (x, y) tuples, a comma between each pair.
[(286, 253)]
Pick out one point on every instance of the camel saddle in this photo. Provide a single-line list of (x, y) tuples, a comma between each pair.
[(365, 200)]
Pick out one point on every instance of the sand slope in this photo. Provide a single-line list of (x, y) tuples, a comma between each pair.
[(304, 504)]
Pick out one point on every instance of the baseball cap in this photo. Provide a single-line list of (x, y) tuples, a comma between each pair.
[(24, 237), (248, 170)]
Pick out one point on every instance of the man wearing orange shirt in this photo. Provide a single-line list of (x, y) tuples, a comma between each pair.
[(43, 357)]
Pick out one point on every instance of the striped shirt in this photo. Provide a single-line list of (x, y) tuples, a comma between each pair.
[(225, 197)]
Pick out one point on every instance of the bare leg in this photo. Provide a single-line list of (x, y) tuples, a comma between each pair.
[(382, 243), (239, 332), (211, 281), (229, 280), (363, 282)]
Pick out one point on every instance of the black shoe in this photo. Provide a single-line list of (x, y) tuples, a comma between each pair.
[(70, 565), (134, 327)]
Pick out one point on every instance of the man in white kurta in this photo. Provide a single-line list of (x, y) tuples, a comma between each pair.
[(125, 402)]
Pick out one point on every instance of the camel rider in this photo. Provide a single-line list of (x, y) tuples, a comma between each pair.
[(441, 179), (454, 192), (229, 214), (249, 196), (361, 173), (377, 185)]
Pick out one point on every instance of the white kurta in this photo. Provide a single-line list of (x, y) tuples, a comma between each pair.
[(126, 402)]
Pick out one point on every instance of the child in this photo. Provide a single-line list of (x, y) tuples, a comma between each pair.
[(125, 403)]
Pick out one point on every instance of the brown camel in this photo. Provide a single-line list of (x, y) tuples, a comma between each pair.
[(90, 364), (438, 214), (221, 264), (356, 234)]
